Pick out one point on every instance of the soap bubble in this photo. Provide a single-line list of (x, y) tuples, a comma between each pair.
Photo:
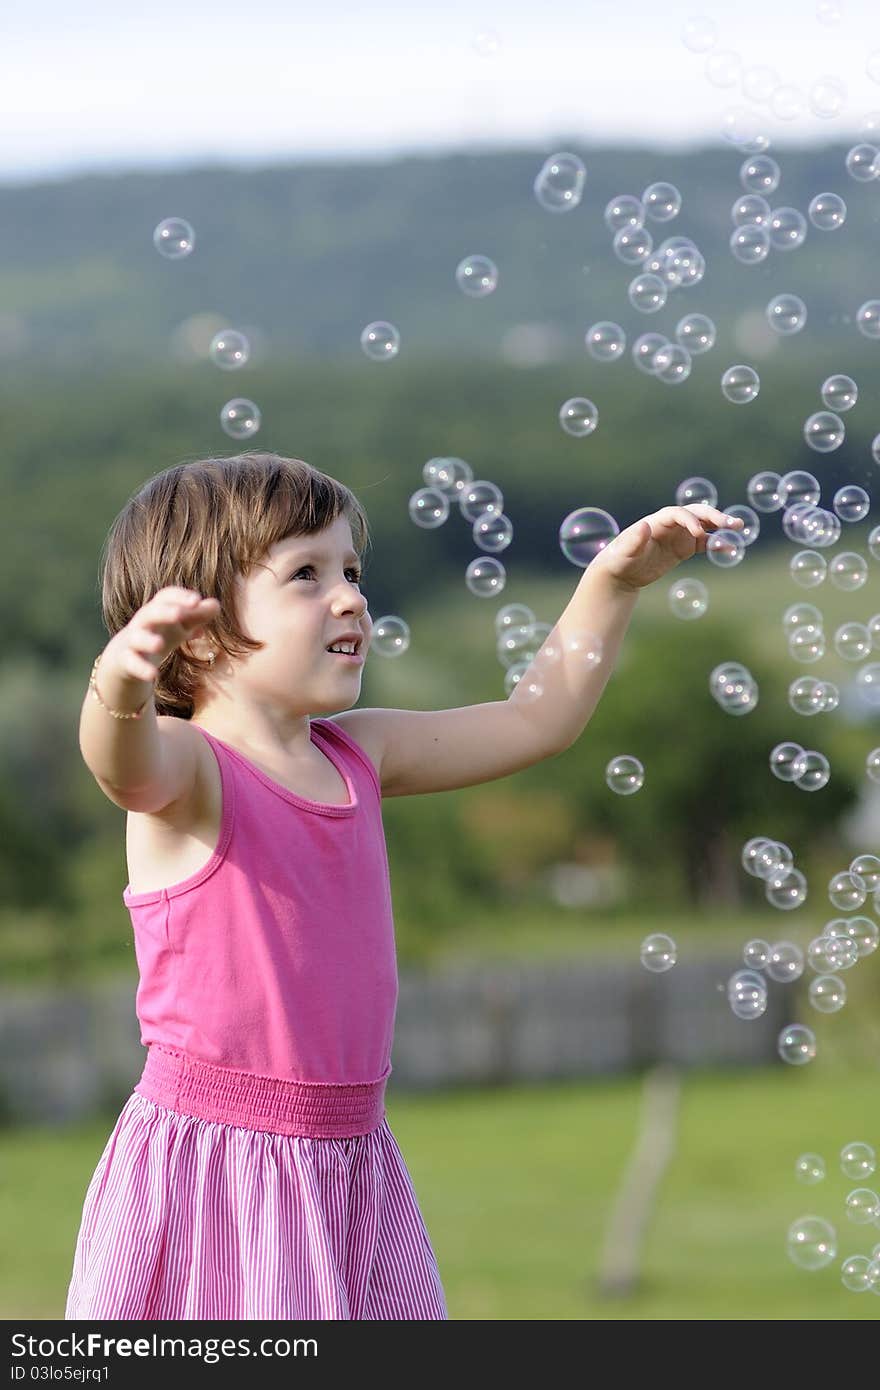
[(806, 644), (751, 523), (828, 12), (807, 568), (428, 507), (827, 211), (857, 1160), (658, 952), (632, 244), (747, 994), (584, 533), (688, 599), (805, 695), (380, 341), (492, 531), (723, 68), (851, 502), (478, 497), (786, 313), (643, 350), (839, 392), (696, 332), (740, 385), (438, 478), (827, 993), (759, 82), (865, 868), (578, 417), (751, 210), (787, 892), (624, 211), (485, 577), (750, 243), (449, 475), (872, 764), (476, 276), (863, 163), (486, 43), (852, 641), (174, 238), (796, 1044), (846, 892), (824, 431), (559, 184), (240, 418), (787, 102), (868, 318), (787, 761), (647, 293), (759, 174), (756, 953), (811, 1242), (605, 341), (625, 775), (699, 34), (875, 448), (785, 962), (865, 934), (662, 201), (801, 615), (229, 350), (764, 858), (862, 1205), (391, 636), (799, 486), (854, 1273), (672, 364), (809, 1169), (848, 571), (696, 490), (725, 548), (743, 129), (827, 97), (513, 615), (787, 229), (762, 491), (816, 772)]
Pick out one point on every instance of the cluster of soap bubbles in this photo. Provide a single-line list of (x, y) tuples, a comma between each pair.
[(805, 767), (812, 1241), (824, 430), (450, 482), (733, 687), (785, 886)]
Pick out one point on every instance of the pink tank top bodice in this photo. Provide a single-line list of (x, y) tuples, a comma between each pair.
[(278, 956)]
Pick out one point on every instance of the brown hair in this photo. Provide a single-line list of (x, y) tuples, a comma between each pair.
[(199, 525)]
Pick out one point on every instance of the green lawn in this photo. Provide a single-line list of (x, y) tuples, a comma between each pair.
[(515, 1186)]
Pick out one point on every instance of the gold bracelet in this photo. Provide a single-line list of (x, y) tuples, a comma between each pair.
[(117, 714)]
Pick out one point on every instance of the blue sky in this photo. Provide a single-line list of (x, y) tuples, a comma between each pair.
[(95, 87)]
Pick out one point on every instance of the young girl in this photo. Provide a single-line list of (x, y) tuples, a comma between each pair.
[(252, 1172)]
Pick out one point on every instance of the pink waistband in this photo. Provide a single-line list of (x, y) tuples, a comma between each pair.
[(313, 1109)]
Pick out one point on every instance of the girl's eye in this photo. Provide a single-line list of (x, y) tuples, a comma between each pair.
[(356, 574)]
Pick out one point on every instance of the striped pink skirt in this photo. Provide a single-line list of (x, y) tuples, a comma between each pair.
[(187, 1217)]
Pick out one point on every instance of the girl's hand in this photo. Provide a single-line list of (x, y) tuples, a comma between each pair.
[(171, 617), (649, 548)]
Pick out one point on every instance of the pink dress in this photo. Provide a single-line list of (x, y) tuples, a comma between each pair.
[(252, 1173)]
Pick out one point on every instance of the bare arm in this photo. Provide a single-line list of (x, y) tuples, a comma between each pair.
[(420, 751), (138, 763)]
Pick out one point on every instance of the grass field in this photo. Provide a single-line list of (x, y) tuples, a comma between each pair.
[(516, 1184)]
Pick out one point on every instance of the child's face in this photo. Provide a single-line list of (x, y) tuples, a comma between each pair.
[(302, 597)]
